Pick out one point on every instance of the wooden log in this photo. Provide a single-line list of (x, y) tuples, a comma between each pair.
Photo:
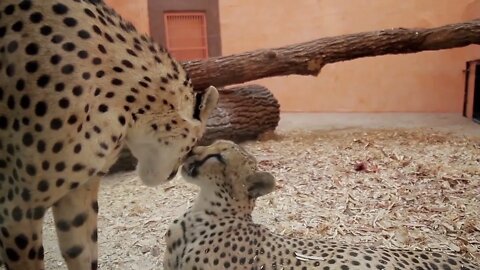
[(243, 113), (308, 58)]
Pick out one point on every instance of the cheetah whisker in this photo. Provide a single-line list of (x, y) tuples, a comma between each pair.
[(303, 257)]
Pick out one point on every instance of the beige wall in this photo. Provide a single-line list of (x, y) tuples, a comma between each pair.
[(424, 82), (135, 11)]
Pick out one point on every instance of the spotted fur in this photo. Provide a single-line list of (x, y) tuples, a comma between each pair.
[(77, 83), (217, 232)]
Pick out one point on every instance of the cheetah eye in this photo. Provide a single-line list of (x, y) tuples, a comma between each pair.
[(198, 163), (218, 157)]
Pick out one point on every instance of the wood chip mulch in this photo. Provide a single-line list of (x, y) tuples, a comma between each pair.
[(412, 189)]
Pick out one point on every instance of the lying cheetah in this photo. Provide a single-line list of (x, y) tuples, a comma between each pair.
[(77, 83), (217, 232)]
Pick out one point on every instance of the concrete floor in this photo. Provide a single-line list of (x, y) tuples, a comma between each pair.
[(446, 122)]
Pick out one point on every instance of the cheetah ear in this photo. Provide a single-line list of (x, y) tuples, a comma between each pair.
[(260, 183), (206, 103)]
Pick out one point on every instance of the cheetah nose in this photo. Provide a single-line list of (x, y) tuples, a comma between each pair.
[(193, 169), (189, 154)]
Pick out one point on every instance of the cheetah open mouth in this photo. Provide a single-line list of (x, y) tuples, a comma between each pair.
[(196, 109), (191, 166)]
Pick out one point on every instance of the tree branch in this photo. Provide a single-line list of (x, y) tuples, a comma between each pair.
[(308, 58)]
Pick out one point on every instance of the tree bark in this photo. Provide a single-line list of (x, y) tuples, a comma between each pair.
[(308, 58), (243, 113)]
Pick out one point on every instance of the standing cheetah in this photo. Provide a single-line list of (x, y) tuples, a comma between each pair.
[(217, 232), (77, 83)]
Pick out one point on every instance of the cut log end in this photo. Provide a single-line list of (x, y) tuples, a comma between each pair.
[(243, 113)]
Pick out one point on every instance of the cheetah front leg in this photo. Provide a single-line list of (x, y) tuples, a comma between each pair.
[(21, 241), (76, 223)]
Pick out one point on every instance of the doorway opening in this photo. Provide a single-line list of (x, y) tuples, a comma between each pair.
[(476, 95)]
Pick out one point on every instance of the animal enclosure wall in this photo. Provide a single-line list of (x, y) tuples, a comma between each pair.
[(424, 82)]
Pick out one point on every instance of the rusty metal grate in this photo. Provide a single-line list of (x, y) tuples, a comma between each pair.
[(186, 35)]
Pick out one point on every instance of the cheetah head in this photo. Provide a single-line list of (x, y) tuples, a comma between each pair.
[(227, 168), (161, 142)]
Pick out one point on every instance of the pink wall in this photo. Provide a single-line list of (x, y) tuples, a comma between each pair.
[(424, 82)]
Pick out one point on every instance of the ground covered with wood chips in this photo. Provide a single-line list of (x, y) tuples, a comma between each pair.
[(401, 189)]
